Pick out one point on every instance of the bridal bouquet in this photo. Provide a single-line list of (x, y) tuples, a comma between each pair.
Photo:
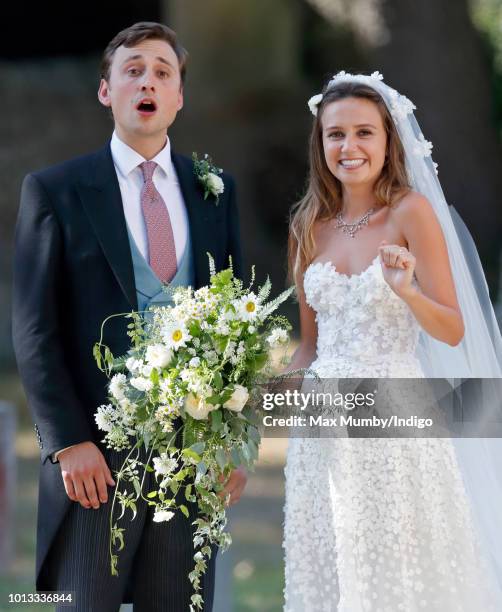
[(184, 392)]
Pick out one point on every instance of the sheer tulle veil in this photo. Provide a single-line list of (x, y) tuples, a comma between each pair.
[(479, 354)]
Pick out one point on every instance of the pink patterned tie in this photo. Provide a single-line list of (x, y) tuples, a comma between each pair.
[(161, 247)]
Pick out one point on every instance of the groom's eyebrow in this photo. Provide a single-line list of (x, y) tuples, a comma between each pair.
[(138, 56)]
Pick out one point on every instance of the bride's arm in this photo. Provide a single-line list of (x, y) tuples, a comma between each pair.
[(435, 306), (306, 351)]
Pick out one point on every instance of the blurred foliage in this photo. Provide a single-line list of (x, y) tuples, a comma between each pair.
[(487, 17)]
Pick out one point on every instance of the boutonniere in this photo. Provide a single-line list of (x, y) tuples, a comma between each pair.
[(208, 176)]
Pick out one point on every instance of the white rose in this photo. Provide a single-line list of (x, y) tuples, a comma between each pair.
[(163, 515), (158, 355), (238, 400), (215, 183), (197, 408), (142, 384), (194, 362)]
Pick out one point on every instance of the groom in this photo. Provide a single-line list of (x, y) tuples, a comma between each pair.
[(96, 236)]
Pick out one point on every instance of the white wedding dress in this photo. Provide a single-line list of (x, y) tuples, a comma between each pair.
[(375, 524)]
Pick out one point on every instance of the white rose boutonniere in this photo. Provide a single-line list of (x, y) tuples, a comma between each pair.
[(208, 176)]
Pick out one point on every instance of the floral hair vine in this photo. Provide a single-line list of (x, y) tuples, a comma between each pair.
[(375, 77), (399, 106)]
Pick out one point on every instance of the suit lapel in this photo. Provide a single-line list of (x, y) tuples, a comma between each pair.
[(199, 218), (102, 201)]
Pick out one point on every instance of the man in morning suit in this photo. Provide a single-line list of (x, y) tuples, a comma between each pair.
[(89, 244)]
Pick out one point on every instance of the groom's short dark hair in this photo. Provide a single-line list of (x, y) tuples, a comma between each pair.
[(143, 30)]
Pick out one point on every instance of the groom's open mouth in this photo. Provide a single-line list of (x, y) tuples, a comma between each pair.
[(146, 107)]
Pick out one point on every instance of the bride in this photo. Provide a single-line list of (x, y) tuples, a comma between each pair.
[(384, 291)]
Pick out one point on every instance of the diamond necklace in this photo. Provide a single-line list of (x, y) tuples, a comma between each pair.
[(352, 228)]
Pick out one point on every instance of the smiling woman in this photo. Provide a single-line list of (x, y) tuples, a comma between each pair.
[(355, 527)]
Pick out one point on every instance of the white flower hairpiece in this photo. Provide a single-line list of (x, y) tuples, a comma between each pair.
[(400, 106), (314, 103)]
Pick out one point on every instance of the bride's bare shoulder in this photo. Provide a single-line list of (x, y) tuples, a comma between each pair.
[(412, 207)]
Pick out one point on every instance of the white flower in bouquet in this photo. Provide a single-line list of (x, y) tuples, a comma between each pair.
[(215, 183), (133, 364), (197, 407), (127, 406), (238, 399), (158, 355), (162, 515), (277, 337), (164, 464), (141, 383), (194, 362), (117, 439), (195, 383), (247, 307), (146, 370), (211, 357), (175, 335), (222, 328), (105, 417), (117, 386), (165, 415)]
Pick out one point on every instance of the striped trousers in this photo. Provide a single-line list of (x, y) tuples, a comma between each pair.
[(152, 567)]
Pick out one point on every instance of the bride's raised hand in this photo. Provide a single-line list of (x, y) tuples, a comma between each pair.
[(398, 266)]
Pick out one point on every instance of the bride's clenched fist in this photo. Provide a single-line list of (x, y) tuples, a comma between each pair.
[(398, 267)]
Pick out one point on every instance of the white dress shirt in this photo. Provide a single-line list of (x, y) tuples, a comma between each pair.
[(126, 161)]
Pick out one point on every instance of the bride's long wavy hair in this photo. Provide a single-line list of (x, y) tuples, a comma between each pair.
[(323, 199)]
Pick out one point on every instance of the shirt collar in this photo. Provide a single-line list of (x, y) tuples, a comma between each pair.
[(126, 159)]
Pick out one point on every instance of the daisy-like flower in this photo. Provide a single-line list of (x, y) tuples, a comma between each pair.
[(175, 335), (118, 385), (247, 307)]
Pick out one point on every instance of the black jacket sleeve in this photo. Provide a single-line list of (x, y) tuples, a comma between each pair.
[(59, 417)]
